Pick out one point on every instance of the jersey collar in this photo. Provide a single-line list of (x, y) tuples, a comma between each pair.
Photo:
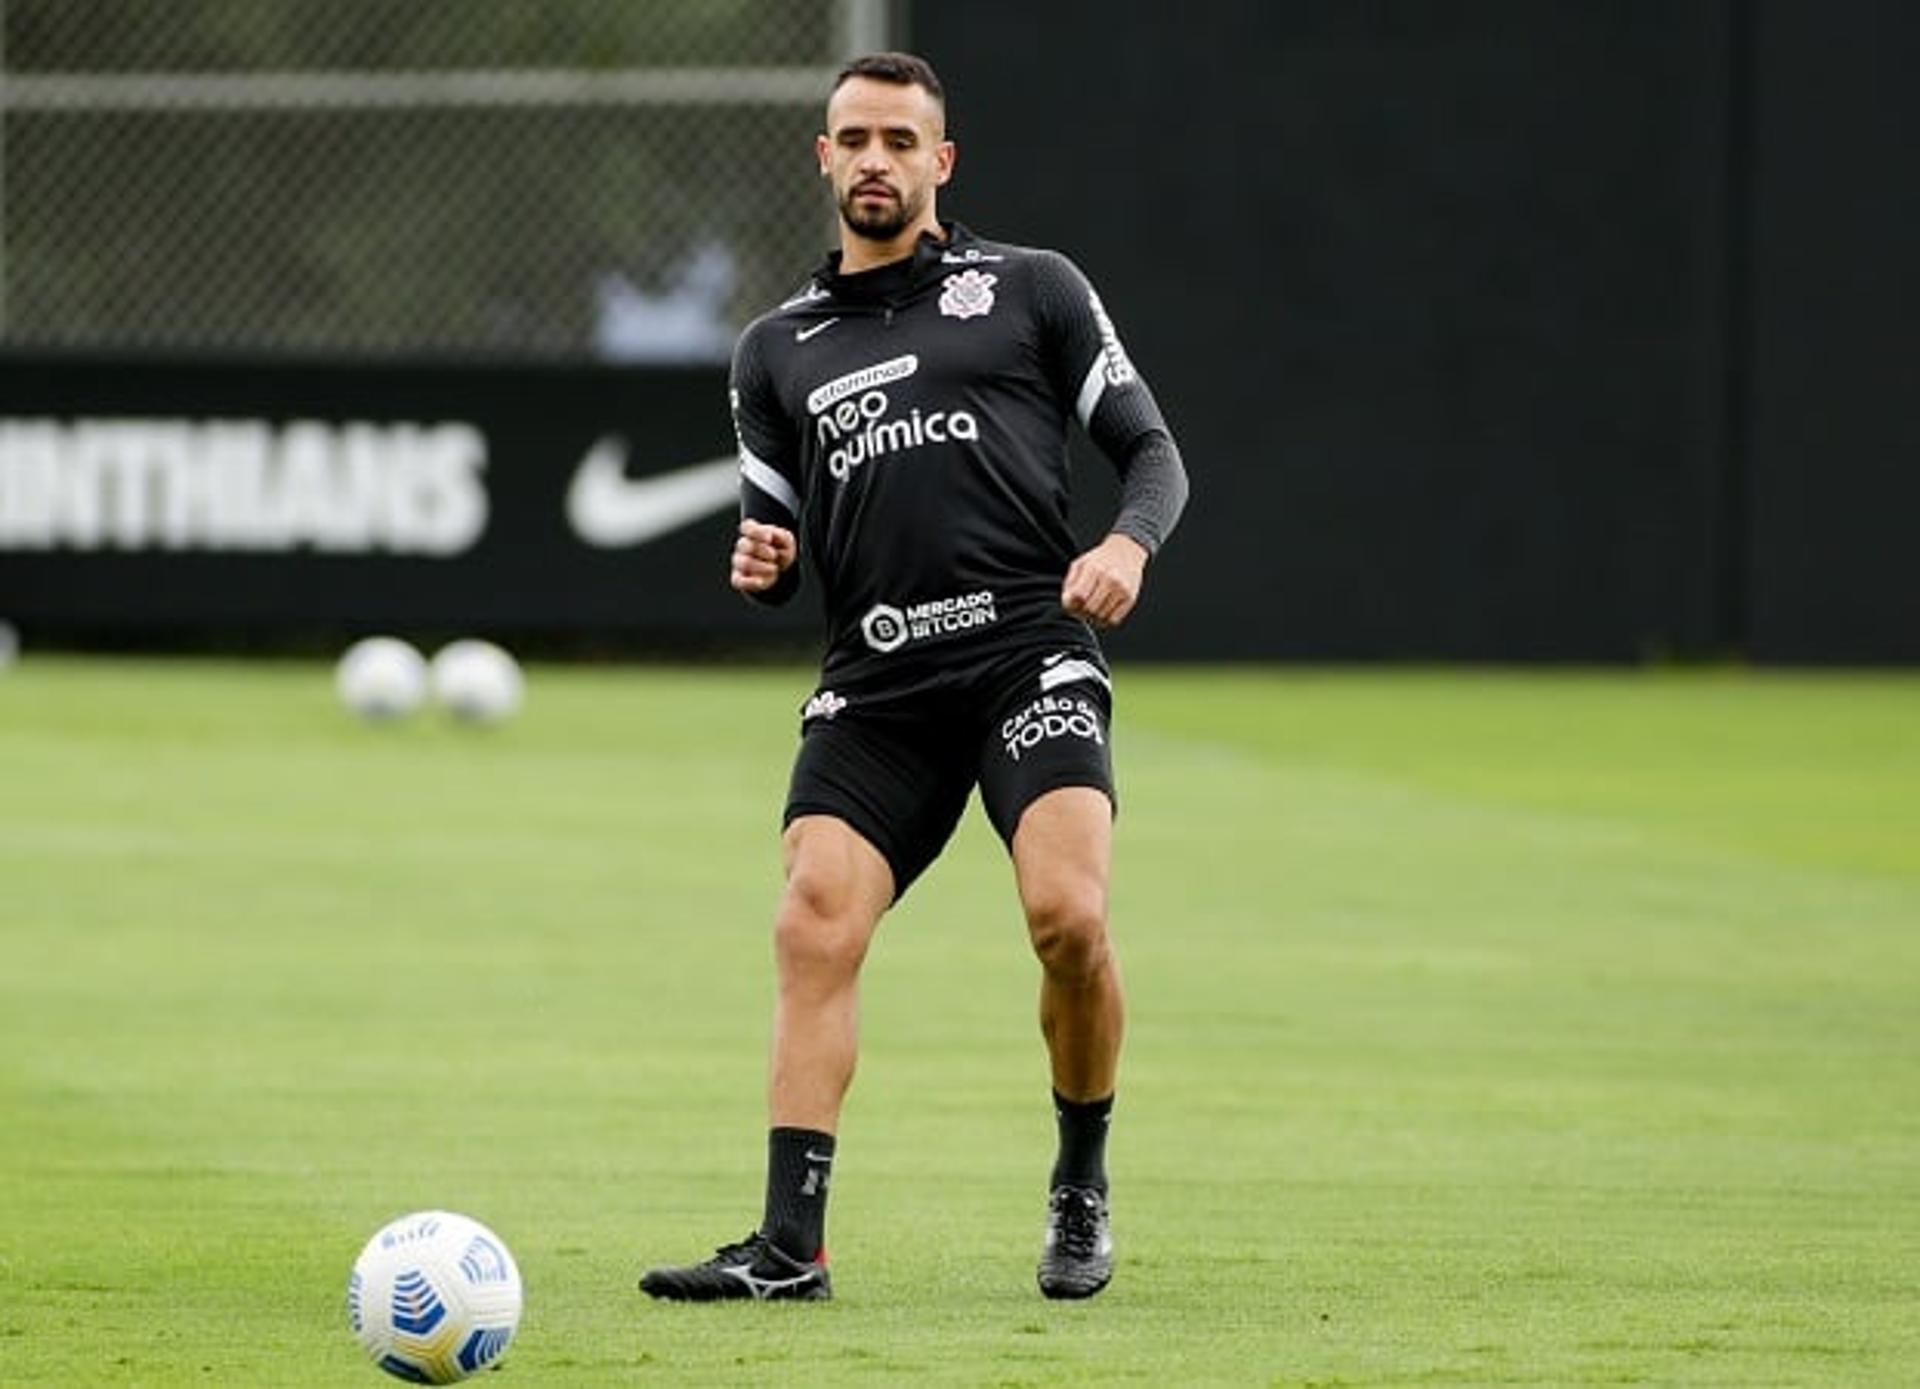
[(897, 277)]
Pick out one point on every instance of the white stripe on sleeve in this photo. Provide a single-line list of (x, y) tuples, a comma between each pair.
[(763, 476), (1091, 389)]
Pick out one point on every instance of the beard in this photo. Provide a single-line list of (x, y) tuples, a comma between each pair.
[(883, 221)]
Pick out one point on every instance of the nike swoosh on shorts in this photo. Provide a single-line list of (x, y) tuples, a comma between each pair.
[(609, 509)]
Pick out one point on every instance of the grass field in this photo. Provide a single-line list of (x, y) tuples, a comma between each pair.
[(1486, 1028)]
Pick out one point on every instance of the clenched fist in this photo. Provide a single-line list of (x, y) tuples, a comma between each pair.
[(761, 555), (1103, 584)]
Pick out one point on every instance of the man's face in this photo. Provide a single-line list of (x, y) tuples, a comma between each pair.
[(885, 151)]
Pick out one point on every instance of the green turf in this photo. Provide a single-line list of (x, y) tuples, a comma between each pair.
[(1486, 1028)]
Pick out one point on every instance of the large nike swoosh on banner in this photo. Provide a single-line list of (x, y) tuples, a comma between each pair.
[(610, 509)]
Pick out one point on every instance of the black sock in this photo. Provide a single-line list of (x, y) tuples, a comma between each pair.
[(799, 1163), (1083, 1141)]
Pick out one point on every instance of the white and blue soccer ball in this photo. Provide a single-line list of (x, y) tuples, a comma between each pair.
[(381, 678), (477, 682), (434, 1297)]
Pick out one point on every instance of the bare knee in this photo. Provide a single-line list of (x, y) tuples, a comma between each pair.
[(821, 931), (1068, 925)]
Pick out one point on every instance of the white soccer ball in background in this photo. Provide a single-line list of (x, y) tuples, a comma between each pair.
[(477, 681), (381, 678), (434, 1297)]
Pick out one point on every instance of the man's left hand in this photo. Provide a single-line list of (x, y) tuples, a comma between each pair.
[(1103, 584)]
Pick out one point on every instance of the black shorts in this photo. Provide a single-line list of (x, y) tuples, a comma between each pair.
[(899, 769)]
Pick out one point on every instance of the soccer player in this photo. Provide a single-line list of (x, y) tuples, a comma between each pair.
[(902, 422)]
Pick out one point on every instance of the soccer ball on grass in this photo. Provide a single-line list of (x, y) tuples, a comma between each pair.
[(434, 1297), (381, 678), (477, 682)]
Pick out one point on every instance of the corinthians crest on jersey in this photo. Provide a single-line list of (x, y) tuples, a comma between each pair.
[(968, 294)]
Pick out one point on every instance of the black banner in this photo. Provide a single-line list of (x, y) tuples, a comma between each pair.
[(1501, 332), (250, 499), (1832, 491), (1432, 296)]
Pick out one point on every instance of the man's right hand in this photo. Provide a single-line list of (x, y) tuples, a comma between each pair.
[(761, 555)]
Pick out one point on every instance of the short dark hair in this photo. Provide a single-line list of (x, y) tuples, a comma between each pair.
[(903, 69)]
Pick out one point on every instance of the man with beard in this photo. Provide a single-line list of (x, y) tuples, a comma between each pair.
[(902, 421)]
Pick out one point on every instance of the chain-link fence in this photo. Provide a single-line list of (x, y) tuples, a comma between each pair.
[(623, 179)]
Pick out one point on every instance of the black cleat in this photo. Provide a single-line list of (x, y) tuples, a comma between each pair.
[(753, 1268), (1078, 1258)]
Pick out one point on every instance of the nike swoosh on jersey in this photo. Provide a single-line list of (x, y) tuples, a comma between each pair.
[(610, 510), (802, 334)]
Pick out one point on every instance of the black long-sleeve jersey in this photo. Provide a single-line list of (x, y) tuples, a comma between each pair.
[(909, 424)]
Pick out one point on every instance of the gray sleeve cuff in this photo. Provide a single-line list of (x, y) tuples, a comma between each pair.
[(1153, 490)]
